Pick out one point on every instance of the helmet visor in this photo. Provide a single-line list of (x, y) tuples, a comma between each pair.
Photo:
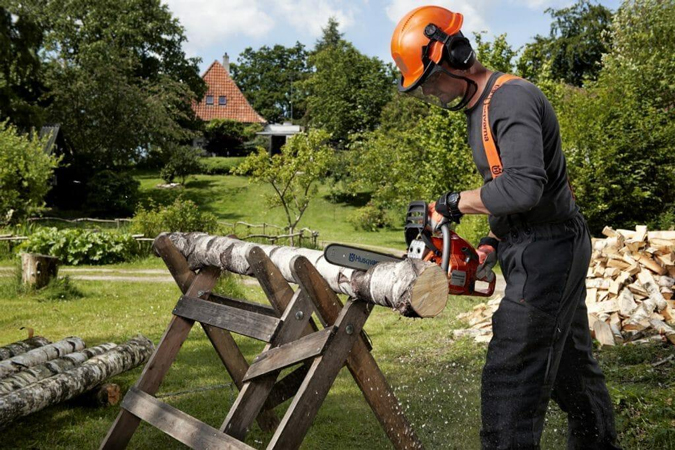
[(444, 89)]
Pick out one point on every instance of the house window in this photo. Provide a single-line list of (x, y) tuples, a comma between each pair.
[(209, 99), (222, 100)]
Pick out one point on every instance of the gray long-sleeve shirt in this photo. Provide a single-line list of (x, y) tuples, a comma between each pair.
[(533, 187)]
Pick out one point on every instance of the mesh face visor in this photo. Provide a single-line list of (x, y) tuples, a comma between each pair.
[(441, 88)]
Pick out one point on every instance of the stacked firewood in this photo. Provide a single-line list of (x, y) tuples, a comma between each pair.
[(35, 373), (630, 285)]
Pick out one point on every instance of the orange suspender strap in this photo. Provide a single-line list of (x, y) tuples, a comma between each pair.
[(493, 158)]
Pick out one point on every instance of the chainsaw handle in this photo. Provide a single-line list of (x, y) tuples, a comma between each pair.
[(487, 292), (445, 261)]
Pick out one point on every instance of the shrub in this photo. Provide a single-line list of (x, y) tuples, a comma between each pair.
[(77, 246), (181, 215), (369, 218), (229, 137), (112, 194), (182, 162), (219, 165), (25, 174)]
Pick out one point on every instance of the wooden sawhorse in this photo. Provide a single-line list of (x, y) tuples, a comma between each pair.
[(292, 337)]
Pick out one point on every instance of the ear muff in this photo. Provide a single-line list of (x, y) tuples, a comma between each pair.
[(459, 53)]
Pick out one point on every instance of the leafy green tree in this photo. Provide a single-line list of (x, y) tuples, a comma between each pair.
[(182, 162), (25, 174), (497, 55), (618, 134), (20, 69), (575, 44), (119, 84), (331, 37), (267, 76), (293, 174), (347, 90)]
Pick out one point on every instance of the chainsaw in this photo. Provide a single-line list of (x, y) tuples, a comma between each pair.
[(457, 257)]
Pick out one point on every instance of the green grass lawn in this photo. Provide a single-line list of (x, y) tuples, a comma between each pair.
[(232, 198), (437, 380)]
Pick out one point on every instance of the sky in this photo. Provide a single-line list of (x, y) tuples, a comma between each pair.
[(214, 27)]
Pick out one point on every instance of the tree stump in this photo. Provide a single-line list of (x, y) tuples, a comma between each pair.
[(37, 270)]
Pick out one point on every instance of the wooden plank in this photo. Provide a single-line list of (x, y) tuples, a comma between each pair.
[(290, 354), (296, 316), (227, 318), (286, 388), (361, 363), (175, 262), (125, 424), (322, 374), (244, 305), (254, 393), (180, 426), (236, 366)]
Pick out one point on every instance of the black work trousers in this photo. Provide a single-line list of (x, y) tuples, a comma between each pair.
[(542, 346)]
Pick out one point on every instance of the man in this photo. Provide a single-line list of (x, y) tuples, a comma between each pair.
[(542, 345)]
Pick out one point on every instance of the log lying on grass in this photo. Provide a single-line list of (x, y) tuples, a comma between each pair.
[(20, 347), (34, 374), (73, 382), (40, 355), (413, 288)]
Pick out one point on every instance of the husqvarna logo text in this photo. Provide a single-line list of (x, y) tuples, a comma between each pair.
[(353, 257)]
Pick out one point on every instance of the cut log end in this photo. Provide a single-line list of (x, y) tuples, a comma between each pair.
[(429, 294)]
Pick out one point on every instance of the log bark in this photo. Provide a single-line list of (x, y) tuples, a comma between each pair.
[(413, 288), (40, 355), (37, 270), (34, 374), (76, 381), (20, 347)]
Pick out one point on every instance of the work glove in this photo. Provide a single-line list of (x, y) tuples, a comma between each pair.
[(487, 259), (448, 206)]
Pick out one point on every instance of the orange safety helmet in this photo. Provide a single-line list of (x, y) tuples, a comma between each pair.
[(419, 41)]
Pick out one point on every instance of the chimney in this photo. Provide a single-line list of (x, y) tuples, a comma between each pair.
[(226, 62)]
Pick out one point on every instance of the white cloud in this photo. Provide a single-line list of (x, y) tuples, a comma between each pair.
[(473, 19), (311, 15), (208, 22)]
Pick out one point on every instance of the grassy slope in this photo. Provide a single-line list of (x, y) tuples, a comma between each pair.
[(233, 198)]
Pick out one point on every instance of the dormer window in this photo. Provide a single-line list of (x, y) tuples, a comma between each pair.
[(209, 100), (222, 100)]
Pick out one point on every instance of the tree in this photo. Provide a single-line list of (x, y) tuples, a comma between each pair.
[(618, 133), (25, 174), (20, 69), (119, 84), (293, 174), (347, 90), (267, 76), (574, 46), (331, 37), (183, 161), (497, 55)]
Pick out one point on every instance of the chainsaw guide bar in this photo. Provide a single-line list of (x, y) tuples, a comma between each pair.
[(356, 258)]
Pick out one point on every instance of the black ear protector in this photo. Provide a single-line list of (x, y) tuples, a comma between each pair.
[(459, 53)]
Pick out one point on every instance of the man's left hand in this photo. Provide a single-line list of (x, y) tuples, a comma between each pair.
[(448, 206)]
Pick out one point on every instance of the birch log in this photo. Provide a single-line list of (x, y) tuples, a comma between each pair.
[(76, 381), (34, 374), (40, 355), (20, 347), (413, 288)]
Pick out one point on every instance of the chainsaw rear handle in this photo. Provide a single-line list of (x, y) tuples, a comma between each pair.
[(487, 292)]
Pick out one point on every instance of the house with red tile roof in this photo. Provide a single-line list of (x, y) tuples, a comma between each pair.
[(224, 100)]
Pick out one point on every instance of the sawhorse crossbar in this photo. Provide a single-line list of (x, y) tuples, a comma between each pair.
[(292, 338)]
